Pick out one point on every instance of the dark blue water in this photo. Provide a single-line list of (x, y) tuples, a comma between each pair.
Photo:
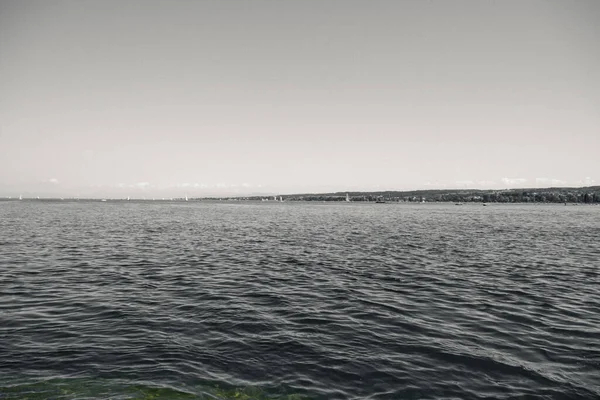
[(290, 300)]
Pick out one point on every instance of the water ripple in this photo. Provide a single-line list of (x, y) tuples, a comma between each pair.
[(298, 300)]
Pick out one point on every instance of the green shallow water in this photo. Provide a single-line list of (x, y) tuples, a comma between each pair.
[(76, 388)]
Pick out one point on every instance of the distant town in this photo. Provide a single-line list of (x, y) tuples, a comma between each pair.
[(581, 195)]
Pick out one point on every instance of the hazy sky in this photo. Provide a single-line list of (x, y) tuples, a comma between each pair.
[(291, 96)]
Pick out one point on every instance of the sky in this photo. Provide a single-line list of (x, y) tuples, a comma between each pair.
[(124, 97)]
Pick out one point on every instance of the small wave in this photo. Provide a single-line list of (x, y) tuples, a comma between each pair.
[(316, 301)]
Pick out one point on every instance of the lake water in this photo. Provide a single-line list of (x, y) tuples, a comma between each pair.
[(298, 300)]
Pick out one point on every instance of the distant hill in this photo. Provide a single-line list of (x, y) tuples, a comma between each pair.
[(590, 194)]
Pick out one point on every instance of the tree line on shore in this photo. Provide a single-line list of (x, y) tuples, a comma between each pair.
[(585, 195)]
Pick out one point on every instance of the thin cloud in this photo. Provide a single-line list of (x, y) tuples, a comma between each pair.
[(549, 182), (486, 183), (513, 181), (587, 181), (465, 183)]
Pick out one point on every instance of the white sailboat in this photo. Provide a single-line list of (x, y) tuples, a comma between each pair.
[(280, 198), (20, 197), (347, 197), (186, 198)]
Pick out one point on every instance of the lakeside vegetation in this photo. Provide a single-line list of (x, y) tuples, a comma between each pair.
[(583, 195)]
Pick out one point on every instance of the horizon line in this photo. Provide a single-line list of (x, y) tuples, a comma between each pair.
[(268, 194)]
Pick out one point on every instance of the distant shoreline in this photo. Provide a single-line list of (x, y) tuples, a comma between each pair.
[(582, 195)]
